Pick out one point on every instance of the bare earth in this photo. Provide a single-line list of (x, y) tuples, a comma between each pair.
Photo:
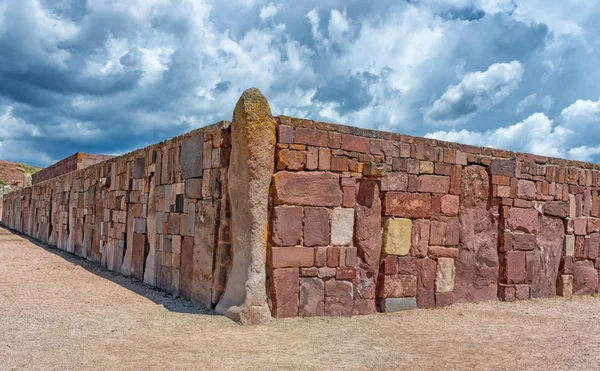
[(59, 312)]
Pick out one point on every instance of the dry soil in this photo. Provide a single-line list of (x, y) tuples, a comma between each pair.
[(59, 312)]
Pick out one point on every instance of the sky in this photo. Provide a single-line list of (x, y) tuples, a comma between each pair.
[(110, 76)]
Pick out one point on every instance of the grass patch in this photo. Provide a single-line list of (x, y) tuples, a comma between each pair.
[(28, 168)]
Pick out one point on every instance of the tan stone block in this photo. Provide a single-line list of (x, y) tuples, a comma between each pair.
[(426, 167), (397, 236), (444, 279)]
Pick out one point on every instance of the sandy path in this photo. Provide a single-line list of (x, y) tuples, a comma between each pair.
[(59, 312)]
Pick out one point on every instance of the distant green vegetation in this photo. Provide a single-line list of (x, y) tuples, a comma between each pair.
[(2, 182), (28, 168)]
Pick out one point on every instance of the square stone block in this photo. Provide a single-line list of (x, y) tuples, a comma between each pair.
[(390, 305), (397, 236)]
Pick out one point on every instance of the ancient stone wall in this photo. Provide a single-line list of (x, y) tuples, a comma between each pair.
[(365, 221), (309, 218), (75, 162)]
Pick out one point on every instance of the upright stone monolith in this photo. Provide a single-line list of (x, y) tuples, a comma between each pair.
[(250, 172)]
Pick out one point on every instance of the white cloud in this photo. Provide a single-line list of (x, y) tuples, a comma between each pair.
[(268, 11), (582, 112), (477, 91)]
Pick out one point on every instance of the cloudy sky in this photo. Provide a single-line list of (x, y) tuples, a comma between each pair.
[(109, 76)]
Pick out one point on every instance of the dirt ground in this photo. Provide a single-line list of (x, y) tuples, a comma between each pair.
[(58, 312)]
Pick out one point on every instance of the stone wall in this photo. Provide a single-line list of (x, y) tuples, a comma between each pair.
[(74, 162), (300, 218), (365, 221)]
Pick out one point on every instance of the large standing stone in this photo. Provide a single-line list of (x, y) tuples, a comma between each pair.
[(550, 237), (286, 226), (307, 188), (477, 264), (250, 173), (585, 278), (205, 245), (397, 236), (285, 283), (367, 233), (426, 283)]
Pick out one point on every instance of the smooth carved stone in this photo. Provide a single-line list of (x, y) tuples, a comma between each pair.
[(546, 261), (399, 286), (426, 283), (286, 226), (316, 226), (444, 278), (526, 189), (391, 305), (253, 137), (397, 236), (285, 283), (191, 156), (585, 278), (434, 184), (408, 205), (312, 297), (338, 298), (477, 263), (394, 182), (342, 226), (556, 208), (307, 188), (523, 220)]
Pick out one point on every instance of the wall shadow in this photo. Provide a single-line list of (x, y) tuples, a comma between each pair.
[(158, 296)]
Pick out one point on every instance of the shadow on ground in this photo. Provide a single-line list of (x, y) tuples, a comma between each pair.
[(156, 295)]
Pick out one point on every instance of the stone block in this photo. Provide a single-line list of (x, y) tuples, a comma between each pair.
[(285, 134), (444, 299), (593, 225), (312, 297), (526, 189), (316, 226), (523, 220), (286, 226), (338, 298), (191, 156), (556, 208), (426, 167), (285, 286), (502, 167), (585, 278), (437, 235), (397, 236), (391, 305), (450, 204), (444, 278), (355, 143), (515, 269), (426, 282), (408, 265), (398, 286), (434, 184), (523, 242), (580, 226), (565, 286), (420, 237), (291, 160), (442, 252), (324, 159), (345, 273), (139, 225), (390, 264), (569, 245), (452, 232), (342, 226), (384, 147), (138, 255), (292, 257), (307, 188), (348, 196), (408, 205), (193, 188), (311, 137), (394, 182)]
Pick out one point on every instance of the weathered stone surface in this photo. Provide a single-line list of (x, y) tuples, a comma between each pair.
[(420, 237), (307, 188), (565, 286), (316, 226), (437, 234), (515, 267), (477, 263), (444, 278), (585, 278), (397, 236), (580, 226), (285, 285), (569, 245), (444, 299), (250, 172), (443, 252), (450, 204), (292, 257), (312, 297), (394, 182), (138, 255), (398, 286), (342, 226), (546, 264), (502, 167), (523, 220), (286, 226), (556, 208), (408, 265), (205, 245), (191, 156), (434, 184), (291, 159), (391, 305), (526, 189), (408, 205), (523, 242), (426, 283), (338, 298), (311, 137)]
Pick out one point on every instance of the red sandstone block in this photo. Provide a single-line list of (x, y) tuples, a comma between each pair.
[(338, 298), (437, 233), (434, 184), (452, 232), (450, 204), (312, 158), (384, 147), (340, 163), (442, 252), (309, 272), (515, 267), (580, 225), (394, 182), (425, 152), (443, 169), (324, 159), (413, 183), (523, 220), (500, 180), (580, 247), (345, 273), (420, 237), (390, 264), (566, 264), (506, 292), (316, 226), (522, 292), (526, 190), (555, 208), (333, 257), (285, 134), (291, 160), (399, 286), (408, 265), (355, 143), (311, 137), (292, 257), (593, 225), (307, 188), (320, 256), (591, 246), (502, 167), (348, 196), (334, 140), (523, 242), (351, 253), (285, 286), (409, 205), (286, 226), (444, 299)]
